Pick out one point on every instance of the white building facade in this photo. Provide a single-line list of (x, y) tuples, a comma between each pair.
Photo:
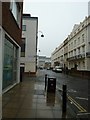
[(74, 52), (29, 45), (78, 46), (44, 62), (57, 57)]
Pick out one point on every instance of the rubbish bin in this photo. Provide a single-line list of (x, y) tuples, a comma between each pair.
[(51, 86)]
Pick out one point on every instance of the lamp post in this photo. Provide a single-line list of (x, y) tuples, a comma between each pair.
[(37, 58), (42, 35)]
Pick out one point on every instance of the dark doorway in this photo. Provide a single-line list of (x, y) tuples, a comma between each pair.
[(21, 73)]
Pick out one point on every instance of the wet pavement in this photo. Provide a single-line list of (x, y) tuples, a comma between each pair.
[(29, 99)]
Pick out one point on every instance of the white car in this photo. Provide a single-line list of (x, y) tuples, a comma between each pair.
[(58, 70)]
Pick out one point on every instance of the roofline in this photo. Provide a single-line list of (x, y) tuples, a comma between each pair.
[(28, 16)]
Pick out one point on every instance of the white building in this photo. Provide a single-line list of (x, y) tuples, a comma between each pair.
[(28, 60), (57, 57), (44, 62), (79, 46), (74, 52)]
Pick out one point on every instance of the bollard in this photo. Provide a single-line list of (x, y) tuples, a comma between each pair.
[(45, 81), (64, 99)]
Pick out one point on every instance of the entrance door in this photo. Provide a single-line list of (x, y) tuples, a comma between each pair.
[(21, 73)]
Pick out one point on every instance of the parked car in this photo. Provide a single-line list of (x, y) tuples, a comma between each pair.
[(57, 69), (41, 67)]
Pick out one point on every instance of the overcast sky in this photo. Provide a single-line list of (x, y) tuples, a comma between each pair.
[(56, 19)]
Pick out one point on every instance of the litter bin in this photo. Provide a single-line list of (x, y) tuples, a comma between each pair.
[(51, 86)]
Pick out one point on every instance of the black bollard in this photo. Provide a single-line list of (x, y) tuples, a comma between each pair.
[(64, 99), (45, 81)]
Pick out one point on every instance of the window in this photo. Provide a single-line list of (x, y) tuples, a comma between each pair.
[(78, 29), (9, 63), (74, 32), (82, 25), (82, 37), (79, 50), (75, 52), (71, 53), (83, 64), (74, 42), (15, 9), (83, 49), (23, 27), (71, 44), (23, 48), (78, 40)]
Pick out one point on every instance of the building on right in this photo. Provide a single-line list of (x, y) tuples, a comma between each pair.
[(74, 52), (79, 46)]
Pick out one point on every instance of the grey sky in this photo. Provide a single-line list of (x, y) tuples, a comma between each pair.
[(56, 20)]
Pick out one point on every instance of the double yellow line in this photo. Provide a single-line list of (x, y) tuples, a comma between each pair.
[(81, 109)]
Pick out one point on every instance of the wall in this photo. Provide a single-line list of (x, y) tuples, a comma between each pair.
[(79, 73), (31, 43)]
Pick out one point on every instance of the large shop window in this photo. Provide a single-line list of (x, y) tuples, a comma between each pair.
[(10, 63)]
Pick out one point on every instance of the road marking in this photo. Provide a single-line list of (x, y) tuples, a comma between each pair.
[(83, 114), (82, 98), (81, 109), (71, 90)]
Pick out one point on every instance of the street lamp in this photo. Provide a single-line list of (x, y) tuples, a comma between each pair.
[(42, 35), (37, 56)]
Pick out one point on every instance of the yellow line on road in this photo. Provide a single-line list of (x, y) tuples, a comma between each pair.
[(76, 104)]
